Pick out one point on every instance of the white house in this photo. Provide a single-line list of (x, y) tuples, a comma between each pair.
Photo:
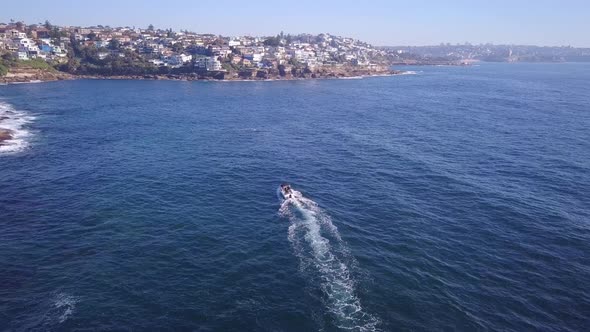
[(179, 59), (158, 62), (209, 63), (25, 42), (16, 34), (22, 55), (234, 42), (225, 51), (103, 55)]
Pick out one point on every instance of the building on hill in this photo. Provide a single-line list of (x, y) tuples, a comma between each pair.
[(22, 54), (40, 33), (208, 63), (13, 33), (178, 60)]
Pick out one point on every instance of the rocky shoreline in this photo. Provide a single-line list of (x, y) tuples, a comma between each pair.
[(37, 75), (254, 75), (28, 75)]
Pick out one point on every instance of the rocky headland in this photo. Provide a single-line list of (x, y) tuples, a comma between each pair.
[(30, 74)]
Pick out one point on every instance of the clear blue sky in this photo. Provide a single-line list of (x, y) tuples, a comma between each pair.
[(380, 22)]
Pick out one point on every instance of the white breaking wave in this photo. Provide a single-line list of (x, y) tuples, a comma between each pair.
[(15, 122), (351, 78), (323, 257)]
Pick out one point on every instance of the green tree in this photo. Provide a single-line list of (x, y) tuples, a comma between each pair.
[(92, 36), (114, 44), (48, 25), (8, 59), (151, 27), (3, 70), (178, 48), (282, 70), (272, 41), (72, 65), (54, 32)]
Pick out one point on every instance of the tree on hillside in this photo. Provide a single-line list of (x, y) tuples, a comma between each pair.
[(8, 59), (151, 27), (272, 41), (235, 50), (47, 25), (72, 65), (56, 33), (178, 48), (114, 44), (30, 33), (3, 70)]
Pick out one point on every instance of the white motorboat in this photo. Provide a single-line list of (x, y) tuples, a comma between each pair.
[(286, 191)]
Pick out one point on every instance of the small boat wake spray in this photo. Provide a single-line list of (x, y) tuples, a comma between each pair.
[(324, 259)]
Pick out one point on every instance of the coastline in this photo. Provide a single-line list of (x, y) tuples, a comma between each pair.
[(38, 76), (32, 75), (257, 76)]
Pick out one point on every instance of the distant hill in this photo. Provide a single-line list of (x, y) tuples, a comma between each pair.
[(494, 53)]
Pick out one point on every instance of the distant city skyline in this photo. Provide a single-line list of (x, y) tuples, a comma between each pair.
[(382, 23)]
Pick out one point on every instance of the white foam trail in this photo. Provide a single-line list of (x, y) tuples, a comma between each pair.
[(65, 304), (323, 256), (15, 122)]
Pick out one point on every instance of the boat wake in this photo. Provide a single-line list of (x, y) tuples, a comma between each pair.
[(13, 133), (64, 305), (54, 311), (324, 258)]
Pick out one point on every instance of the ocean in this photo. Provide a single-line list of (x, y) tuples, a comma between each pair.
[(450, 199)]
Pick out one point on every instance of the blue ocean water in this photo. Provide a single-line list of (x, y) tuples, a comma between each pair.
[(455, 199)]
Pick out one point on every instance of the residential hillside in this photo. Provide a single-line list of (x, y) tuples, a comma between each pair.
[(125, 51), (31, 52)]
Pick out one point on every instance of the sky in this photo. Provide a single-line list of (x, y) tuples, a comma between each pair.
[(379, 22)]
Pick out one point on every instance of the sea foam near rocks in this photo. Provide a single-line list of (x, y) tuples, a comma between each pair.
[(14, 136)]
